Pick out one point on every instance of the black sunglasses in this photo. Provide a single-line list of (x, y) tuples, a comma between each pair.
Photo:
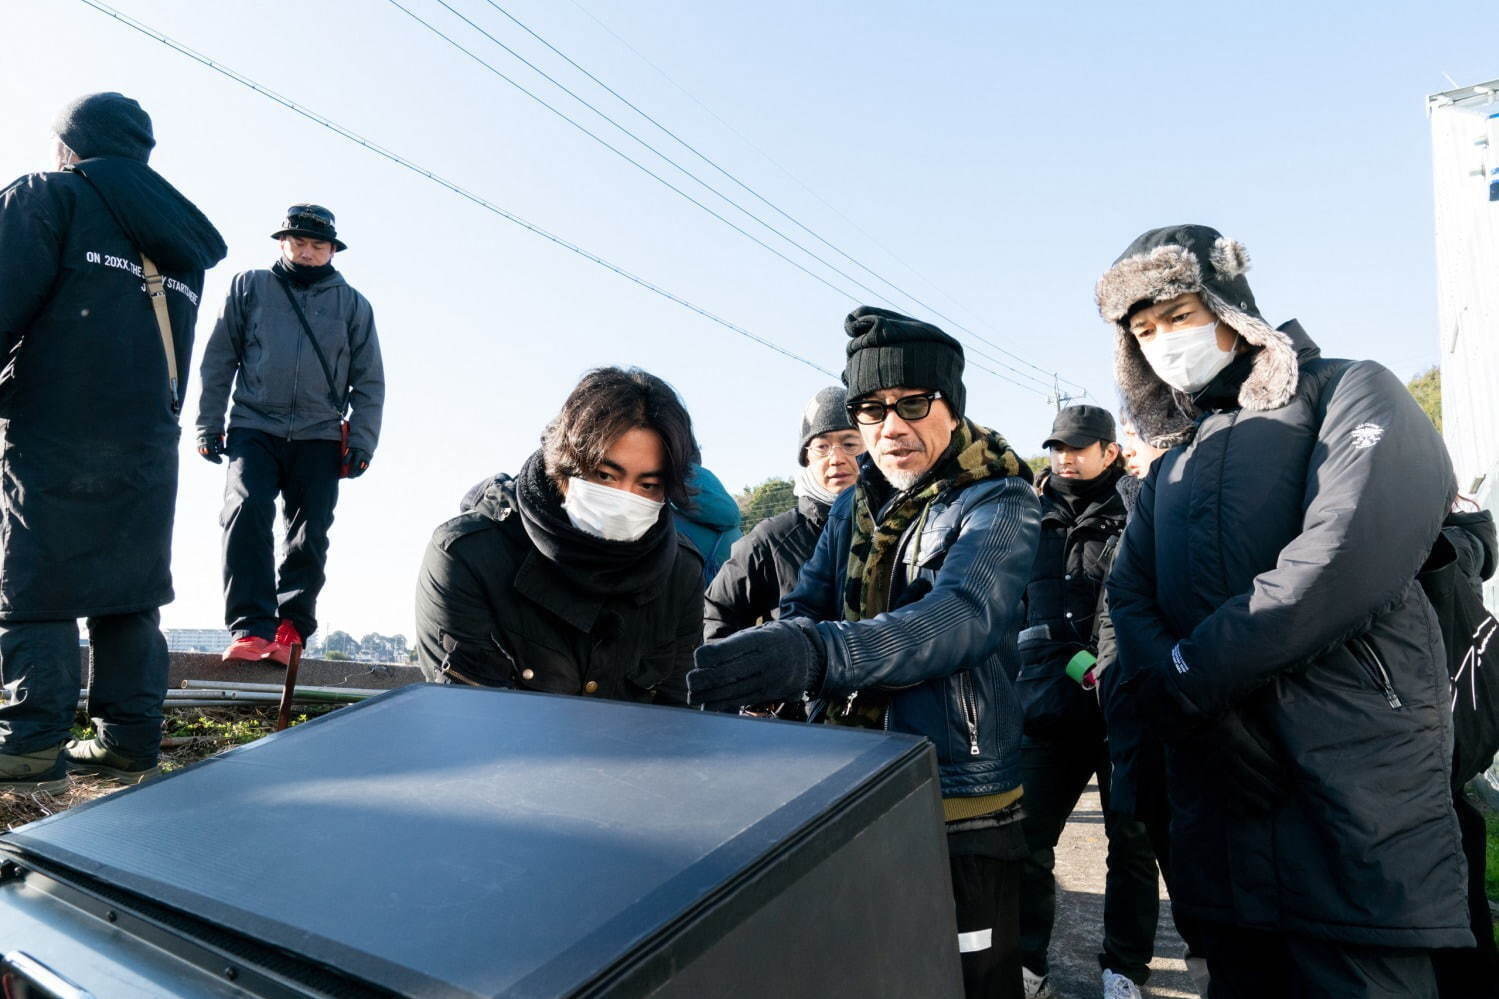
[(872, 412)]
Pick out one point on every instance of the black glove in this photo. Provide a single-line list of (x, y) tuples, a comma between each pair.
[(1168, 698), (359, 460), (211, 446), (779, 661)]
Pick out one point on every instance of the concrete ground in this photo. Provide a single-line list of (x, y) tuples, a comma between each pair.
[(1079, 927)]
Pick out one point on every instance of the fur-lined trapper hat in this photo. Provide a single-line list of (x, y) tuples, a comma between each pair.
[(1159, 266)]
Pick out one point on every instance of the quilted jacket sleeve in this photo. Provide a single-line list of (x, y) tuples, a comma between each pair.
[(971, 609), (1377, 487)]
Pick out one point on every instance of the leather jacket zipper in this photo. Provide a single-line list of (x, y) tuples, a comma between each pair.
[(970, 710), (1375, 667)]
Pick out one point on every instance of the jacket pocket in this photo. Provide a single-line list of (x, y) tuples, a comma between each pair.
[(968, 710), (1364, 654), (1054, 704), (470, 667)]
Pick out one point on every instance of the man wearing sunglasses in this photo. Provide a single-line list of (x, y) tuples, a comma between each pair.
[(905, 617)]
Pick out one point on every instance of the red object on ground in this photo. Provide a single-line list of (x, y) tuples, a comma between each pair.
[(250, 648), (279, 651)]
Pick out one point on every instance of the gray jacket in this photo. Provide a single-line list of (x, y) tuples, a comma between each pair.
[(279, 387)]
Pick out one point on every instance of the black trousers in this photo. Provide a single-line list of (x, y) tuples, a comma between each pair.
[(985, 868), (1254, 964), (257, 593), (1055, 774), (1471, 973), (40, 667), (1153, 808)]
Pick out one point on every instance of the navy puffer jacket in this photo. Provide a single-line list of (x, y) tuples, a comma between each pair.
[(1269, 569)]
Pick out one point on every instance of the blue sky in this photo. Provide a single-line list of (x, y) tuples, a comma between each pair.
[(1004, 152)]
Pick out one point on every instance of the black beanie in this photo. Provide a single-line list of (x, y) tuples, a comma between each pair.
[(107, 124), (826, 413), (888, 350)]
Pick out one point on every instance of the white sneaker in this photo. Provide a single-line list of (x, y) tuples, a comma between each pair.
[(1117, 986), (1035, 985)]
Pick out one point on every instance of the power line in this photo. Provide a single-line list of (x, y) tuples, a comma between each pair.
[(399, 160), (716, 166), (663, 181), (1045, 383), (797, 180)]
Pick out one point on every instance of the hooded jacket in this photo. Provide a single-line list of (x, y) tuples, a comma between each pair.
[(1269, 570), (259, 346), (511, 595), (762, 569), (710, 521), (87, 414)]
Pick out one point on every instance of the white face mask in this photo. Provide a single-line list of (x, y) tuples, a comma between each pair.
[(1187, 359), (611, 514)]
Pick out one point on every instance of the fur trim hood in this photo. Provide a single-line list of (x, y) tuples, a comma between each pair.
[(1165, 263)]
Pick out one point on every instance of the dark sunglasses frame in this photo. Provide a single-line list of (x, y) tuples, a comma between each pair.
[(910, 408)]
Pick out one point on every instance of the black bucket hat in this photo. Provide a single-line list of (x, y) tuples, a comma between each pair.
[(312, 221)]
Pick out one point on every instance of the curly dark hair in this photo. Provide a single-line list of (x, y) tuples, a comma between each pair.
[(604, 405)]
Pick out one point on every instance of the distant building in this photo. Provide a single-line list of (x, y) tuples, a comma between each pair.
[(196, 639), (1465, 161), (1465, 164)]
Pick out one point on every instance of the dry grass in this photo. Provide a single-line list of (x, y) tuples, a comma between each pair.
[(191, 735)]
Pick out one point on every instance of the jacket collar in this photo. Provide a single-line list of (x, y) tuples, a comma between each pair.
[(539, 581), (1166, 417)]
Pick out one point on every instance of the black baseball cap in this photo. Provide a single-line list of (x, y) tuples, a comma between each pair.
[(1079, 426)]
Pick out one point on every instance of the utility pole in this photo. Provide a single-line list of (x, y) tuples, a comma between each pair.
[(1059, 397)]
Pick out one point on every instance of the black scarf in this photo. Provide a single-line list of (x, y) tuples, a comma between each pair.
[(597, 567), (1222, 393), (300, 274), (1079, 494)]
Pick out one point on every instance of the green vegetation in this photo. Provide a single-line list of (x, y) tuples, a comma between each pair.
[(1491, 871), (1427, 388), (1039, 463), (769, 498)]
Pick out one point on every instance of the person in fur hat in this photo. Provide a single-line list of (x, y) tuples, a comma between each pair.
[(1271, 631)]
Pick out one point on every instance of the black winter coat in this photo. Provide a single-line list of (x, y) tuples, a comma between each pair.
[(1061, 601), (494, 610), (88, 418), (762, 569), (1137, 758), (1269, 570)]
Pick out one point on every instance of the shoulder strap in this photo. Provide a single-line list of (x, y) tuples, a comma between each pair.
[(156, 288), (1105, 558), (340, 403)]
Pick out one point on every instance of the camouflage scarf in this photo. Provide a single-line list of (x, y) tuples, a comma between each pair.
[(978, 454)]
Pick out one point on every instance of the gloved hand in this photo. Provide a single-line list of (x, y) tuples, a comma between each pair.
[(1168, 697), (359, 460), (778, 661), (211, 447)]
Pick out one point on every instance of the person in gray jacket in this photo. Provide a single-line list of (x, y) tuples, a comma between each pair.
[(299, 346)]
